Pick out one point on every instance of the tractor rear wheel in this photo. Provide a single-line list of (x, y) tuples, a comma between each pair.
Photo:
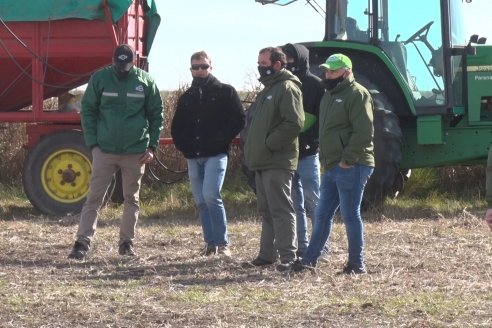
[(386, 180)]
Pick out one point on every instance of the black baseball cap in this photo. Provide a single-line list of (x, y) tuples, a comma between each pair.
[(123, 57)]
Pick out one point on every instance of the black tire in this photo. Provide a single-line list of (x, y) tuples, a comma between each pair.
[(57, 173), (168, 167), (386, 180)]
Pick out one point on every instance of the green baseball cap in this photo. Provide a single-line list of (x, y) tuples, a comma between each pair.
[(337, 61)]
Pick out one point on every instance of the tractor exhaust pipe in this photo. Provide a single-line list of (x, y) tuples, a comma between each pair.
[(336, 13)]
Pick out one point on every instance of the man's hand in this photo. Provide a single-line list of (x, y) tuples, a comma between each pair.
[(147, 157), (344, 165)]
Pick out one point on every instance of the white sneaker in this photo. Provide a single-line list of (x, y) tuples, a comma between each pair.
[(224, 250), (323, 257)]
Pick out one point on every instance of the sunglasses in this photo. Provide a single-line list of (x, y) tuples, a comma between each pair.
[(196, 67)]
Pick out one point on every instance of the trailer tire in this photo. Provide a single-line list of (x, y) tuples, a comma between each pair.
[(386, 180), (57, 173)]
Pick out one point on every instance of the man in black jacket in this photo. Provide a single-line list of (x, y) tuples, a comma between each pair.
[(306, 180), (208, 117)]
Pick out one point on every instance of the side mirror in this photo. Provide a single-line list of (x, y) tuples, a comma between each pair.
[(482, 40), (473, 39)]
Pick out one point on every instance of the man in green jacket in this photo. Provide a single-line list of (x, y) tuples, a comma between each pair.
[(488, 194), (346, 136), (122, 119), (271, 150)]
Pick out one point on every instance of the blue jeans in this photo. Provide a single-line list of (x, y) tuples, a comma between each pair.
[(206, 178), (340, 188), (305, 196)]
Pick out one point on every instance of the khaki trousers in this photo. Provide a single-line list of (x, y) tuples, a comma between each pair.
[(278, 230), (103, 168)]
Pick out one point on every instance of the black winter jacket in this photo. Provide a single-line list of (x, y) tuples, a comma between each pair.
[(207, 119), (312, 92)]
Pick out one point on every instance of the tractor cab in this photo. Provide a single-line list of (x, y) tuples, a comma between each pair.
[(410, 36), (413, 50)]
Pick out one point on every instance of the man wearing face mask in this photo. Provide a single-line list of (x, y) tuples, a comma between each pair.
[(122, 117), (271, 150), (208, 116), (346, 137), (305, 184)]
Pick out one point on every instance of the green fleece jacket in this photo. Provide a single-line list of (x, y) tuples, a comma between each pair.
[(279, 116), (346, 130), (122, 116), (488, 181)]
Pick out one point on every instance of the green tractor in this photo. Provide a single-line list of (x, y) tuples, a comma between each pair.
[(432, 88)]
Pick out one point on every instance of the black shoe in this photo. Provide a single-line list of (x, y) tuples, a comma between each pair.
[(257, 262), (354, 269), (126, 249), (79, 251), (285, 266), (299, 267)]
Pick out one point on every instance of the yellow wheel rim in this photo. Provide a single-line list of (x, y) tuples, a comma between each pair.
[(65, 176)]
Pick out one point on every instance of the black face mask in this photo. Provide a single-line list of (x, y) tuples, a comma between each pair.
[(121, 74), (331, 84), (265, 70), (292, 67), (199, 81)]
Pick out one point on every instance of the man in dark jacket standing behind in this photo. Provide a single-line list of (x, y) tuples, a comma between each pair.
[(305, 184), (208, 116), (271, 150), (122, 119)]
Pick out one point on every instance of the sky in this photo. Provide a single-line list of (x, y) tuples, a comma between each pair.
[(233, 31)]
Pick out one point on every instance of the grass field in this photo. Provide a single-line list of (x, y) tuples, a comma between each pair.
[(429, 266)]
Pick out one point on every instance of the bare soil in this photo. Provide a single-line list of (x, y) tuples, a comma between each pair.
[(423, 272)]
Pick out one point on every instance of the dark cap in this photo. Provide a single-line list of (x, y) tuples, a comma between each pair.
[(123, 57)]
